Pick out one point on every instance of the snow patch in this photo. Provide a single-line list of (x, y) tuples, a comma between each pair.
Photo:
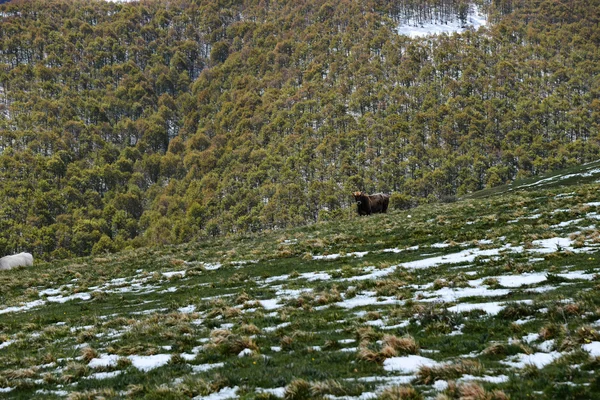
[(225, 393), (147, 363), (475, 19), (105, 360), (593, 348), (540, 360), (408, 364)]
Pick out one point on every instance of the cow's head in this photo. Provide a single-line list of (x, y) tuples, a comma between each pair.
[(358, 196)]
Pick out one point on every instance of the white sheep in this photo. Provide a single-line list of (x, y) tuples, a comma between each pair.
[(16, 260)]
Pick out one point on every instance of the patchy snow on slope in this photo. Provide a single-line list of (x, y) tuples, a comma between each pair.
[(540, 360), (593, 348), (367, 299), (447, 294), (464, 256), (205, 367), (513, 280), (485, 378), (24, 307), (104, 360), (147, 363), (104, 375), (408, 364), (225, 393), (475, 19), (491, 308)]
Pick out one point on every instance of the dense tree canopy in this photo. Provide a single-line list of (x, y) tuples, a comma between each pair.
[(127, 124)]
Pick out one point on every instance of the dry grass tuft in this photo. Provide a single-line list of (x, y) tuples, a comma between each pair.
[(88, 353), (250, 329), (586, 334), (572, 309), (330, 386), (242, 298), (86, 335), (388, 352), (473, 391), (470, 391), (428, 375), (404, 345), (96, 394), (400, 393), (366, 354), (366, 334), (298, 389), (176, 262), (495, 349), (328, 297), (22, 373), (551, 331), (228, 343), (286, 342), (230, 312)]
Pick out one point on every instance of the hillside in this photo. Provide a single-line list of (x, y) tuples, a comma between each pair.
[(124, 125), (483, 297)]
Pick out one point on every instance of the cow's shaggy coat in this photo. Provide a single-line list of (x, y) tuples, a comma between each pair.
[(373, 204), (16, 260)]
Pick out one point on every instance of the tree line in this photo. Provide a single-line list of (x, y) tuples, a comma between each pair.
[(132, 124)]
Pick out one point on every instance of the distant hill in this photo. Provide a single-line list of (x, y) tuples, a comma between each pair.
[(125, 125)]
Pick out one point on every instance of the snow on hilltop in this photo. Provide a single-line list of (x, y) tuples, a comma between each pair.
[(475, 19)]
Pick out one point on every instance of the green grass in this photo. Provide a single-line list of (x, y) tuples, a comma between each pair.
[(208, 315)]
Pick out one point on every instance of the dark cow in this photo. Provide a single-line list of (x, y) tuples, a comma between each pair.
[(373, 204)]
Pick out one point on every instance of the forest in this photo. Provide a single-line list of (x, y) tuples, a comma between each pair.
[(164, 121)]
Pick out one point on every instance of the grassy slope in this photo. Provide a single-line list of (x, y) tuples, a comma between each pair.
[(125, 306)]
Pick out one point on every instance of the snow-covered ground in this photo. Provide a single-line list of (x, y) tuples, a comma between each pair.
[(475, 19)]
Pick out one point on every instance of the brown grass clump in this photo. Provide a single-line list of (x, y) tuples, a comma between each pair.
[(123, 363), (250, 329), (242, 298), (495, 349), (228, 343), (551, 331), (176, 262), (366, 354), (23, 373), (328, 297), (286, 342), (86, 335), (298, 389), (95, 394), (428, 375), (470, 391), (219, 335), (440, 283), (135, 391), (193, 386), (77, 369), (391, 346), (88, 353), (572, 309), (400, 393), (230, 312), (404, 345), (388, 352), (330, 386), (366, 334), (586, 334)]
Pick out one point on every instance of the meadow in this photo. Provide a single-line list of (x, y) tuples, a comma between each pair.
[(489, 297)]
